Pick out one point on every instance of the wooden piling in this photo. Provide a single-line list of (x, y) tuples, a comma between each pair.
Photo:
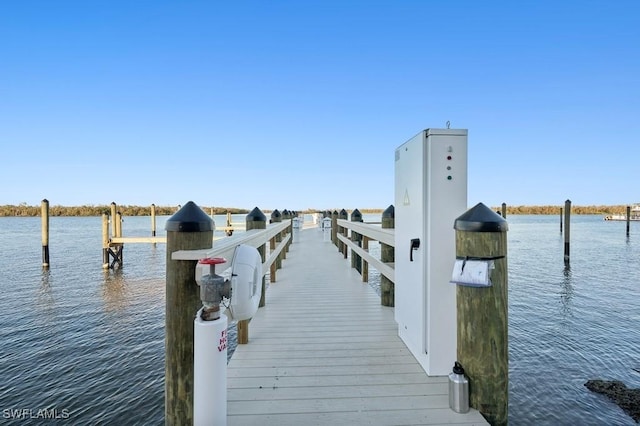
[(561, 220), (356, 260), (188, 229), (254, 220), (567, 227), (119, 248), (504, 210), (44, 213), (105, 241), (118, 224), (114, 208), (153, 220), (387, 255), (229, 231), (628, 218), (482, 314)]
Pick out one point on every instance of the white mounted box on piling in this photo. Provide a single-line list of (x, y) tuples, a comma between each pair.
[(430, 193)]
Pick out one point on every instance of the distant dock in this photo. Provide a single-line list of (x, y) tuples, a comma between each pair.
[(113, 240)]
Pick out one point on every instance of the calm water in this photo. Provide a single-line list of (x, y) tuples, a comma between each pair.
[(89, 345)]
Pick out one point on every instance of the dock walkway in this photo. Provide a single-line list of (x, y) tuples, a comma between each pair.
[(323, 351)]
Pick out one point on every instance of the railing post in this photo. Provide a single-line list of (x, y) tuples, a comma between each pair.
[(365, 264), (356, 260), (387, 255), (334, 227), (188, 229), (286, 215), (276, 217), (254, 220), (481, 234), (342, 247)]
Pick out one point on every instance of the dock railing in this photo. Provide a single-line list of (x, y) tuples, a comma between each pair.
[(369, 232), (254, 238), (355, 235)]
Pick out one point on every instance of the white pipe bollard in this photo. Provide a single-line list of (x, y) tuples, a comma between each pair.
[(296, 229), (210, 371), (326, 229)]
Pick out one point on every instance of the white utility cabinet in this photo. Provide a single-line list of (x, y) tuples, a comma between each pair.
[(430, 193)]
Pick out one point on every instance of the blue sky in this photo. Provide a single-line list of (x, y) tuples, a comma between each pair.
[(301, 104)]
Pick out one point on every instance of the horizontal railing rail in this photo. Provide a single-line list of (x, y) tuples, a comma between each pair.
[(255, 238), (369, 232)]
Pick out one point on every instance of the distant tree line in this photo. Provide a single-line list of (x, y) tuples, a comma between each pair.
[(23, 209), (90, 210), (551, 210)]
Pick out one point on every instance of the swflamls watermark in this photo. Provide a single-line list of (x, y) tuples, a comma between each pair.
[(28, 413)]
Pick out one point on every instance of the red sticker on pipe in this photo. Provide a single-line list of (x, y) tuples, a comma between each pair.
[(212, 260)]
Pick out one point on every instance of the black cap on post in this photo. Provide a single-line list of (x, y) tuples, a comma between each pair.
[(256, 215), (190, 218), (481, 219), (276, 216), (356, 216), (389, 213)]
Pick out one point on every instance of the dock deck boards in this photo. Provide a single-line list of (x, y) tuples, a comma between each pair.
[(323, 351)]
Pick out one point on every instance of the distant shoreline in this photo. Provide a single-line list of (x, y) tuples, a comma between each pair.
[(126, 210)]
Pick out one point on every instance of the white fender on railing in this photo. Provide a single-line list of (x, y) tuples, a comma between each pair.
[(246, 283)]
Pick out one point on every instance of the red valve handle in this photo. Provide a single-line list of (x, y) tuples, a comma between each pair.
[(212, 260)]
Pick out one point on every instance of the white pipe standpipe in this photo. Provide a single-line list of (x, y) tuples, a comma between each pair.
[(210, 371), (210, 329)]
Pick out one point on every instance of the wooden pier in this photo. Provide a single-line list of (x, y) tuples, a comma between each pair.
[(324, 351)]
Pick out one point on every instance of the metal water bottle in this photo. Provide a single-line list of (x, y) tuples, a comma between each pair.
[(458, 389)]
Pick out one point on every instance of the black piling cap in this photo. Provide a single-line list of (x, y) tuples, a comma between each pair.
[(190, 218), (276, 215), (256, 215), (343, 214), (389, 213), (481, 219), (356, 216)]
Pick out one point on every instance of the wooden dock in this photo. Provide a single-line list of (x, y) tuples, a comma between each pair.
[(323, 351)]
